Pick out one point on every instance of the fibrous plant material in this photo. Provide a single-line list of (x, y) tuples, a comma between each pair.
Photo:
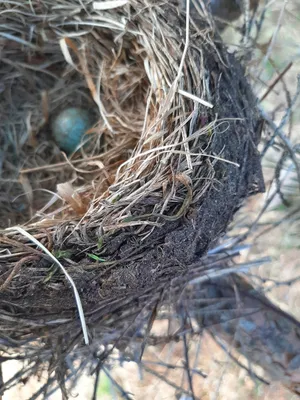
[(153, 187)]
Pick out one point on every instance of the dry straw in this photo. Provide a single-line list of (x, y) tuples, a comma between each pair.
[(129, 217)]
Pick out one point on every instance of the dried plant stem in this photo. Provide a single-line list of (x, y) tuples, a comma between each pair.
[(55, 260)]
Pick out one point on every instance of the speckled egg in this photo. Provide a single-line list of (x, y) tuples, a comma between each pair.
[(69, 126)]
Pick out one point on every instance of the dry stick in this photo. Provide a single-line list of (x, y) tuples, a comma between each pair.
[(97, 379), (168, 382), (50, 382), (277, 223), (278, 129), (77, 297), (279, 181), (174, 367), (246, 12), (279, 77), (187, 366), (16, 378), (277, 284), (115, 383), (42, 389), (152, 318), (259, 23), (217, 273), (242, 237), (241, 365)]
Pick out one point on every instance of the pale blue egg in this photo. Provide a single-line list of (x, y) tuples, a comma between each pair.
[(69, 126)]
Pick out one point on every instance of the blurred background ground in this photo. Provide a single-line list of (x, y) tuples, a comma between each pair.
[(225, 380)]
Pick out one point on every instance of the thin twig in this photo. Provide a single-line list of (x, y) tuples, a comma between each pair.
[(273, 84), (187, 366), (97, 379), (168, 382), (124, 394), (241, 365)]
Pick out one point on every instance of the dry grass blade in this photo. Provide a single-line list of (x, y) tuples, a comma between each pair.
[(108, 5), (54, 259), (195, 98)]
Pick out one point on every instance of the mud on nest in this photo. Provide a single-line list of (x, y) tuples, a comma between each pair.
[(155, 188)]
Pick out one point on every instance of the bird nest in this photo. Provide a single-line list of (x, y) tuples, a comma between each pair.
[(109, 236)]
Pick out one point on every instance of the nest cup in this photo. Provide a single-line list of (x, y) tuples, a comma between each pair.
[(130, 214)]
